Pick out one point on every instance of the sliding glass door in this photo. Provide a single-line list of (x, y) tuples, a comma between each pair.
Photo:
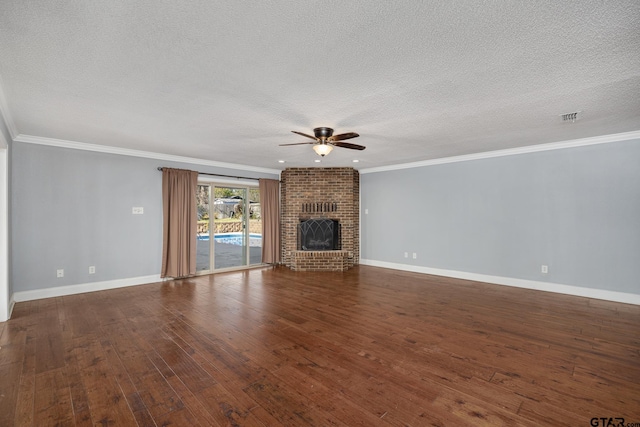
[(203, 248), (229, 227)]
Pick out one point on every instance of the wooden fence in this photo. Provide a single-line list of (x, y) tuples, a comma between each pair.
[(255, 226)]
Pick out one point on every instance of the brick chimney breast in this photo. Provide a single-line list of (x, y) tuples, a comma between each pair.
[(331, 193)]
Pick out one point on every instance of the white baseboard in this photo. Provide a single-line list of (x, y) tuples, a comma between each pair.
[(498, 280), (509, 281), (82, 288)]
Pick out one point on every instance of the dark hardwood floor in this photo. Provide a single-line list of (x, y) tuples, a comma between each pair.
[(272, 347)]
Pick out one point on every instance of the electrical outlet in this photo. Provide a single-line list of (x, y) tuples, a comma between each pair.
[(544, 269), (415, 255), (366, 211), (406, 254), (137, 210), (59, 273), (92, 269)]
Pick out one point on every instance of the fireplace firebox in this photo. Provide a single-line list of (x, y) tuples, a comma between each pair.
[(319, 234)]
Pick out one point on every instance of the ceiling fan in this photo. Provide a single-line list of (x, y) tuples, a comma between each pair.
[(325, 140)]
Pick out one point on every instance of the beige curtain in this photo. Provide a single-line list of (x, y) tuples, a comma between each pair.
[(180, 220), (270, 211)]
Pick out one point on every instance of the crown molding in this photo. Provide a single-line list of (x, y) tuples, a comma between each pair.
[(29, 139), (604, 139)]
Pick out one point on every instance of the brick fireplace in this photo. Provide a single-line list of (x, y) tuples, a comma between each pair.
[(314, 193)]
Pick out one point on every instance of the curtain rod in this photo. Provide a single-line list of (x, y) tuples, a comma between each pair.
[(217, 174)]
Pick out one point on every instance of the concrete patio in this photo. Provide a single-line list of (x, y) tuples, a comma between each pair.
[(226, 255)]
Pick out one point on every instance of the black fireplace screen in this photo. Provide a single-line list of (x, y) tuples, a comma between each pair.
[(319, 235)]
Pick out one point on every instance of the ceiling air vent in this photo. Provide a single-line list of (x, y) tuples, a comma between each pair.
[(570, 117)]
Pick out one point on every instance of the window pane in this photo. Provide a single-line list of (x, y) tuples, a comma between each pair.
[(203, 260)]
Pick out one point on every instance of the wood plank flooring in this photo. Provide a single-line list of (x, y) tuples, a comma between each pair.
[(272, 347)]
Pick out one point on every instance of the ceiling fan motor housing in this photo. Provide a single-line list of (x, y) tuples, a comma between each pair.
[(323, 132)]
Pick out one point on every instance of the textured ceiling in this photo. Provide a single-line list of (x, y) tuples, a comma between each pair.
[(229, 81)]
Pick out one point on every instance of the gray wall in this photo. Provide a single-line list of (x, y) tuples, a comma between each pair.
[(71, 209), (576, 210)]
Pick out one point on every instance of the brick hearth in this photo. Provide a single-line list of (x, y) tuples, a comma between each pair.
[(321, 193)]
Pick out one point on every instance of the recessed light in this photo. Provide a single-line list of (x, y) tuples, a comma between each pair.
[(356, 161), (280, 161), (317, 160)]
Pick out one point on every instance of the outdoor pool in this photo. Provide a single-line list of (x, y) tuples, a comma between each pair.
[(233, 238)]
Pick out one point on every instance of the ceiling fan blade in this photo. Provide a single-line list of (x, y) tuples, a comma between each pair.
[(348, 145), (304, 134), (343, 136), (300, 143)]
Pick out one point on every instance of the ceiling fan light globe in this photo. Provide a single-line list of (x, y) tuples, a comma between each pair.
[(322, 149)]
